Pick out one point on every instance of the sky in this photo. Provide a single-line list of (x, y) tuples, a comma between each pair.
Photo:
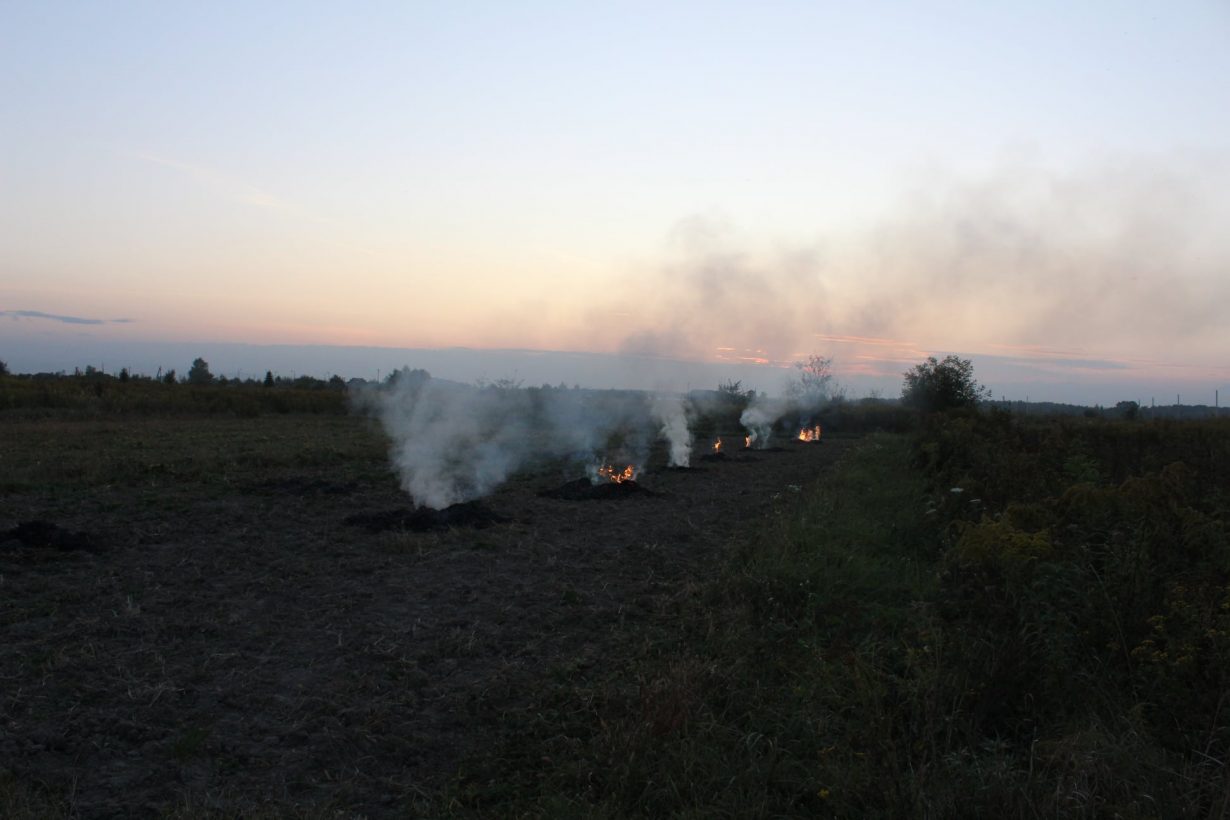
[(1040, 187)]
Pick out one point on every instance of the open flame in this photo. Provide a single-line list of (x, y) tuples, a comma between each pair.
[(747, 442), (607, 471), (810, 433), (717, 446)]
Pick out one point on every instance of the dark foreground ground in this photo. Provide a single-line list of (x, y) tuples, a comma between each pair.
[(203, 628)]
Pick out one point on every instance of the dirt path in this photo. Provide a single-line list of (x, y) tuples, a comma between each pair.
[(237, 642)]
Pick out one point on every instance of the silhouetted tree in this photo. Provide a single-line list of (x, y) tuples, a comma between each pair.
[(734, 388), (268, 378), (936, 385), (1128, 410), (124, 374), (199, 372), (814, 384), (169, 378), (4, 368)]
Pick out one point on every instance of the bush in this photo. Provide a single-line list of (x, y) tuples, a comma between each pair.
[(935, 385)]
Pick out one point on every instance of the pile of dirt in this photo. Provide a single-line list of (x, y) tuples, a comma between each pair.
[(582, 489), (711, 457), (41, 534), (424, 519)]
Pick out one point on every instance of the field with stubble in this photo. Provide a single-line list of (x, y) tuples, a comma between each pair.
[(190, 626), (218, 602)]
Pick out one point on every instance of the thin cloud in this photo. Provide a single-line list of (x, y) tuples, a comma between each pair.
[(67, 320), (229, 186), (239, 190)]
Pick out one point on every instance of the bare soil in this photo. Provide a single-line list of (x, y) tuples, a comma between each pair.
[(228, 639)]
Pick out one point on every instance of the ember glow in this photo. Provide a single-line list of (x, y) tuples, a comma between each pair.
[(747, 442), (611, 473), (810, 433), (717, 446)]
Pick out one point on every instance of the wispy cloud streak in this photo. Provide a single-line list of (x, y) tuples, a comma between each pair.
[(17, 315)]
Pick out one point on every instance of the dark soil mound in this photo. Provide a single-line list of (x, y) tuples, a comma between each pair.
[(46, 535), (764, 449), (466, 514), (582, 489), (679, 469), (713, 457)]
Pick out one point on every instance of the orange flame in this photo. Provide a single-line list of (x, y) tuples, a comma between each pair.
[(717, 446), (810, 433), (618, 476), (747, 442)]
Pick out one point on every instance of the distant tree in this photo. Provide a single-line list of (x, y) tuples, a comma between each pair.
[(814, 383), (4, 368), (1129, 410), (935, 385), (169, 376), (199, 372), (734, 388), (337, 382), (268, 378), (124, 374), (503, 385)]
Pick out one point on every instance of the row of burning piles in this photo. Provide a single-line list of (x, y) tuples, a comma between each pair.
[(598, 474), (453, 443)]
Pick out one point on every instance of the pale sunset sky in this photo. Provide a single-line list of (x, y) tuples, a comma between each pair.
[(1043, 187)]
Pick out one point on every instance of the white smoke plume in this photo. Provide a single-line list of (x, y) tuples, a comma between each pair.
[(671, 413), (758, 419), (453, 442)]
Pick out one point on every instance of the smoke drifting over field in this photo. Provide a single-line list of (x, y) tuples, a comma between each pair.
[(1037, 269), (454, 442), (1111, 264)]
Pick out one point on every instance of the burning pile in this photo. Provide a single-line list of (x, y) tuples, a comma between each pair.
[(612, 474), (605, 481), (716, 453), (810, 434)]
